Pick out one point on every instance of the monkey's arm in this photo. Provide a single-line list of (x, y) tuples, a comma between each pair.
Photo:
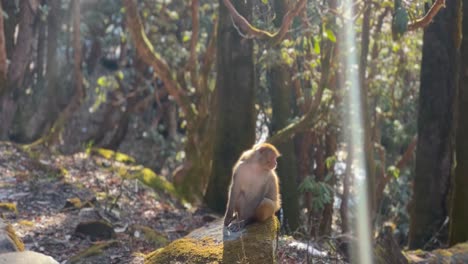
[(273, 192)]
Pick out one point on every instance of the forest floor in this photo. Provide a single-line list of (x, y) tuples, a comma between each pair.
[(45, 187)]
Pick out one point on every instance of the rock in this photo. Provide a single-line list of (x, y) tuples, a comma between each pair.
[(96, 230), (9, 242), (89, 214), (214, 244), (26, 257)]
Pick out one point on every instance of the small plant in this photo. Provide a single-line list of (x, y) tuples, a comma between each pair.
[(322, 191)]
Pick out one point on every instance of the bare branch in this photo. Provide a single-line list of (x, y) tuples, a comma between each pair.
[(147, 54), (424, 21), (250, 30)]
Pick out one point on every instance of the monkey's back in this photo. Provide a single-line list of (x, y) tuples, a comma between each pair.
[(252, 184)]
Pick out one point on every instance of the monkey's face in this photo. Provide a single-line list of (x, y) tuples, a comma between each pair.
[(268, 159)]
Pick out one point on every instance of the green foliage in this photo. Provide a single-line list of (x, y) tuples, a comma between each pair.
[(394, 171), (400, 22), (322, 192)]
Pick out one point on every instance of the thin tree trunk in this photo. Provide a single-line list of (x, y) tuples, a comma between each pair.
[(9, 7), (368, 140), (325, 227), (3, 55)]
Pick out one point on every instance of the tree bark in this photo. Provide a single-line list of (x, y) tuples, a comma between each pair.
[(235, 95), (20, 58), (458, 231), (434, 147), (368, 140), (3, 54), (281, 96), (79, 92)]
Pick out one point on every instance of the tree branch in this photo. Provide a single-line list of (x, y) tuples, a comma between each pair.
[(424, 21), (147, 54), (191, 64), (250, 30), (399, 165)]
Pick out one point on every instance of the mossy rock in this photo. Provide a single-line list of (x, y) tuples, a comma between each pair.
[(454, 255), (9, 242), (96, 230), (213, 244)]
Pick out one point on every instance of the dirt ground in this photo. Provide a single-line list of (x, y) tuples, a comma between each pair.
[(40, 183)]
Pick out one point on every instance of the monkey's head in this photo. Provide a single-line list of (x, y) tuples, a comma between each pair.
[(267, 155)]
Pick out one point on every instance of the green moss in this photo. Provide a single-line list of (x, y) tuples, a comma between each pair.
[(151, 235), (158, 183), (112, 155), (187, 250), (208, 245), (94, 250), (26, 223), (9, 207), (73, 203)]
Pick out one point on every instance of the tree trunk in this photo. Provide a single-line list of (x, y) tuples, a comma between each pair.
[(459, 208), (280, 91), (325, 227), (366, 110), (281, 96), (235, 91), (434, 148), (3, 55), (79, 92), (20, 59), (9, 7)]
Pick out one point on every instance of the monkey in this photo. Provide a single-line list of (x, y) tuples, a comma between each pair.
[(254, 190)]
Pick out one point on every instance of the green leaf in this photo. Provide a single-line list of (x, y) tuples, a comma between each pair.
[(394, 171), (265, 2), (328, 33), (316, 45), (119, 75), (102, 81)]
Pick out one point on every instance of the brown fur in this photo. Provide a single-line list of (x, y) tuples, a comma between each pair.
[(254, 191)]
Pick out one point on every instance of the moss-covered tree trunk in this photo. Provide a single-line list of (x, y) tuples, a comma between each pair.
[(235, 112), (434, 148), (459, 209)]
